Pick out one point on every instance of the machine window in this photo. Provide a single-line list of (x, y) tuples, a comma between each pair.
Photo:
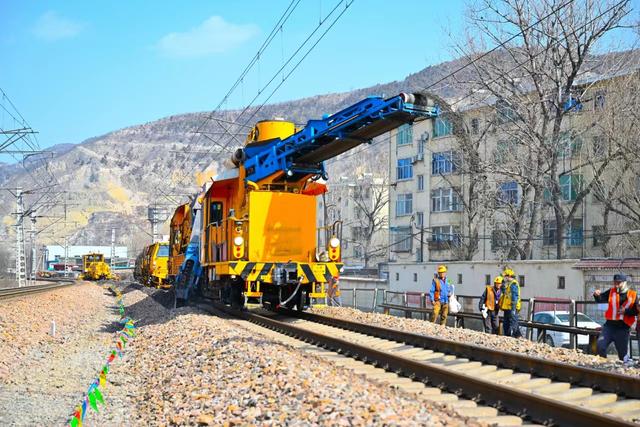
[(163, 251), (215, 212)]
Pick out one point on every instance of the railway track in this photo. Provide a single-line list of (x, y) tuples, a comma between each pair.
[(535, 390), (27, 290)]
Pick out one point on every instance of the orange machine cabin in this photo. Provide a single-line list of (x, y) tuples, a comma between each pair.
[(179, 235)]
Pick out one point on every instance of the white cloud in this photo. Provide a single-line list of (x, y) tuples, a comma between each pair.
[(52, 27), (214, 35)]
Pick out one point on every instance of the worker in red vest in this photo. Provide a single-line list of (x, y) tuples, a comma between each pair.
[(616, 329)]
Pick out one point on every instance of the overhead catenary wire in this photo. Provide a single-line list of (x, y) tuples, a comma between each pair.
[(224, 147)]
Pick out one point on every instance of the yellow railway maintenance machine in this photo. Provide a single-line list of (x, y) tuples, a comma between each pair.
[(94, 267), (154, 265), (259, 233)]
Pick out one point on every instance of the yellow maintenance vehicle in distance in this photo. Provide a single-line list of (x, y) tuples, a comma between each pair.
[(94, 267), (153, 265)]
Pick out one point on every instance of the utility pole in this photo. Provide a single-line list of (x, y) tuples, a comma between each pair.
[(34, 250), (113, 248), (20, 261)]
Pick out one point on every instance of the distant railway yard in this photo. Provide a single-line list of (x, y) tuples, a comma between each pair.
[(207, 364)]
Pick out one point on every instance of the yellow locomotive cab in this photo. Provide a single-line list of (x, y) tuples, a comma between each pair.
[(153, 268)]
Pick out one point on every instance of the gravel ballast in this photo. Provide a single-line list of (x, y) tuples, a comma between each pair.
[(186, 367), (468, 336), (42, 377)]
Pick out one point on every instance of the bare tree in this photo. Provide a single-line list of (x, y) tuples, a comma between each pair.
[(475, 197), (371, 199), (536, 82), (619, 189)]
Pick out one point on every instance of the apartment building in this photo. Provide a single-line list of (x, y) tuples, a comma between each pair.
[(427, 219), (360, 205)]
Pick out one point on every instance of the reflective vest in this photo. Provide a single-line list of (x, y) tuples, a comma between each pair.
[(615, 311), (436, 294), (490, 300), (505, 298)]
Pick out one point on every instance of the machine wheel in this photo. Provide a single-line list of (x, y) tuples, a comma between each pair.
[(237, 297)]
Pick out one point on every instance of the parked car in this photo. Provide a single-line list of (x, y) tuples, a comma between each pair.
[(562, 339)]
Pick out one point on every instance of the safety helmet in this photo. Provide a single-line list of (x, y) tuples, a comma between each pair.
[(442, 269), (498, 280), (508, 272)]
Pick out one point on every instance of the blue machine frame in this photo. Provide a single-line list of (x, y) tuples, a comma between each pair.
[(305, 151)]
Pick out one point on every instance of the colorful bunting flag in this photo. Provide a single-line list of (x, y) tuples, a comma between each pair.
[(94, 394)]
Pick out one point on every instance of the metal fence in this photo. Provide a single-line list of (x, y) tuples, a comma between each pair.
[(418, 305)]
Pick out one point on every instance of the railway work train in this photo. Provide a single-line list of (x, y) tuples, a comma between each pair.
[(251, 233), (152, 265), (94, 267)]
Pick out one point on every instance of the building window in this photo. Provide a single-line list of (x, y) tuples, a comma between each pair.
[(561, 284), (459, 278), (419, 219), (507, 194), (505, 112), (404, 204), (446, 233), (445, 200), (598, 235), (442, 127), (599, 100), (420, 182), (569, 146), (397, 277), (575, 232), (404, 135), (415, 277), (505, 149), (570, 186), (599, 146), (521, 280), (549, 232), (443, 163), (487, 279), (402, 239), (404, 169), (599, 192), (475, 126)]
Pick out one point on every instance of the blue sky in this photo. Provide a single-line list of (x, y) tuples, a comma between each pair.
[(77, 69)]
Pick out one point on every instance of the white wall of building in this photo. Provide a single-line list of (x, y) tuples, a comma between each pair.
[(541, 277)]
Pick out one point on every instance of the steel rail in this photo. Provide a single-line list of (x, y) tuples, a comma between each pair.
[(524, 404), (588, 377), (28, 290)]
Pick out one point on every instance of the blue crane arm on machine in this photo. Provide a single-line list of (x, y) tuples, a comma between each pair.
[(304, 152)]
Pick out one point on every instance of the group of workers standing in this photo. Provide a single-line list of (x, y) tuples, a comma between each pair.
[(503, 295), (623, 308)]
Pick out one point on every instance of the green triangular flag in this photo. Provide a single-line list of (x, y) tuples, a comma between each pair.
[(105, 369), (98, 395), (74, 422), (92, 401)]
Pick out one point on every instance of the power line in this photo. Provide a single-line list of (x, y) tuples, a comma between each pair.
[(224, 147), (254, 60)]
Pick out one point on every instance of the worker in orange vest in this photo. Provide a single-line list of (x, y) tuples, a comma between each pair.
[(488, 306), (616, 329)]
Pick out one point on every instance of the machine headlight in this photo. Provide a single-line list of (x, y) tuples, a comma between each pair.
[(334, 242), (238, 240)]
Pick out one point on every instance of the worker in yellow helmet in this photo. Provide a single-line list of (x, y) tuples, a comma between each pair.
[(488, 306), (440, 292), (510, 303)]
